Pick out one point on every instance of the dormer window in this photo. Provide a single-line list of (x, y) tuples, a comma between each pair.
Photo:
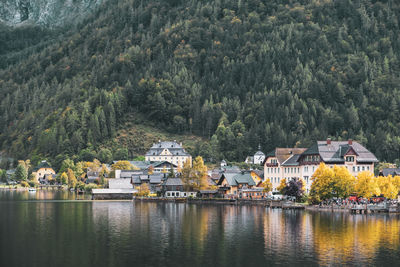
[(350, 159)]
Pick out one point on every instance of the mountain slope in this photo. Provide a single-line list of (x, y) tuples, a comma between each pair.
[(242, 73), (49, 13)]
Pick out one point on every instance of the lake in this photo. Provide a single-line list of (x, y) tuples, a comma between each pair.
[(46, 228)]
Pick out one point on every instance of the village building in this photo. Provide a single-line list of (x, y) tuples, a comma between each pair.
[(257, 158), (290, 163), (389, 171), (171, 152), (48, 179), (229, 184), (252, 193), (173, 188), (41, 170), (154, 181), (92, 177)]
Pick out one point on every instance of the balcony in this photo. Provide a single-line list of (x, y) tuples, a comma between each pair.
[(271, 164)]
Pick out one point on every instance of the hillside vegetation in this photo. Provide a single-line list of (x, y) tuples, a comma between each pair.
[(238, 73)]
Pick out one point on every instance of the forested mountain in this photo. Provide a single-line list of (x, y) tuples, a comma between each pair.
[(48, 13), (239, 73)]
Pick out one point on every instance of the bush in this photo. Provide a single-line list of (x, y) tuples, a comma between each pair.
[(24, 184), (89, 187), (32, 183)]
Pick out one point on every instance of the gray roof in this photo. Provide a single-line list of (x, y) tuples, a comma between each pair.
[(292, 161), (259, 153), (230, 169), (391, 171), (334, 151), (136, 180), (234, 179), (127, 174), (173, 181), (173, 147), (119, 183), (43, 164)]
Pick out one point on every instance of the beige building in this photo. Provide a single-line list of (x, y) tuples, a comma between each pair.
[(41, 170), (171, 152), (289, 163)]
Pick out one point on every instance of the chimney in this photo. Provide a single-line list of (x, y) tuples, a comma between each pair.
[(350, 142), (328, 141)]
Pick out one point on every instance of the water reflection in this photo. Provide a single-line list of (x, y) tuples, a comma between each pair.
[(64, 233)]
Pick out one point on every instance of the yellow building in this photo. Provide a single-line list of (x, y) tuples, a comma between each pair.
[(41, 170)]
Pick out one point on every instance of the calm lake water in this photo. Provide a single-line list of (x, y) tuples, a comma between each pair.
[(53, 229)]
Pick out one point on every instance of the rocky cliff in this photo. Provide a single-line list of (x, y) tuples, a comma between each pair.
[(49, 13)]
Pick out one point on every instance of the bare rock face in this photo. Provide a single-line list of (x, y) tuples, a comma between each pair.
[(49, 13)]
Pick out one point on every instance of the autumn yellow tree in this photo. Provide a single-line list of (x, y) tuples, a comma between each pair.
[(396, 183), (321, 187), (387, 187), (64, 178), (343, 182), (282, 186), (143, 190), (150, 170), (199, 174), (267, 186), (366, 185), (194, 177), (123, 165), (72, 181), (186, 174)]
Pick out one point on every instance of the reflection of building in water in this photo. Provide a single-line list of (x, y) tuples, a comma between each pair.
[(289, 231), (116, 215)]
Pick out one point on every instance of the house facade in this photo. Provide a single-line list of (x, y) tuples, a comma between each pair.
[(230, 184), (171, 152), (41, 170), (289, 163)]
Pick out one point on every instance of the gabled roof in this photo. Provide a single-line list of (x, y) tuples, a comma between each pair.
[(234, 179), (292, 161), (42, 164), (282, 154), (390, 171), (173, 147), (173, 182), (160, 163), (333, 152)]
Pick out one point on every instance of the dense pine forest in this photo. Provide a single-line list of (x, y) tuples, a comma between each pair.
[(236, 73)]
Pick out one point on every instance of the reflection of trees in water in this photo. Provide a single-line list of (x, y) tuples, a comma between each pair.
[(340, 237)]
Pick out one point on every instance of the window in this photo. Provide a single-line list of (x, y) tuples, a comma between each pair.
[(350, 159), (354, 169), (367, 167), (168, 194), (358, 168), (363, 168), (279, 179)]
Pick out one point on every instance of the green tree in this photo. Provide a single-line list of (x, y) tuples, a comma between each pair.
[(21, 174), (105, 155)]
